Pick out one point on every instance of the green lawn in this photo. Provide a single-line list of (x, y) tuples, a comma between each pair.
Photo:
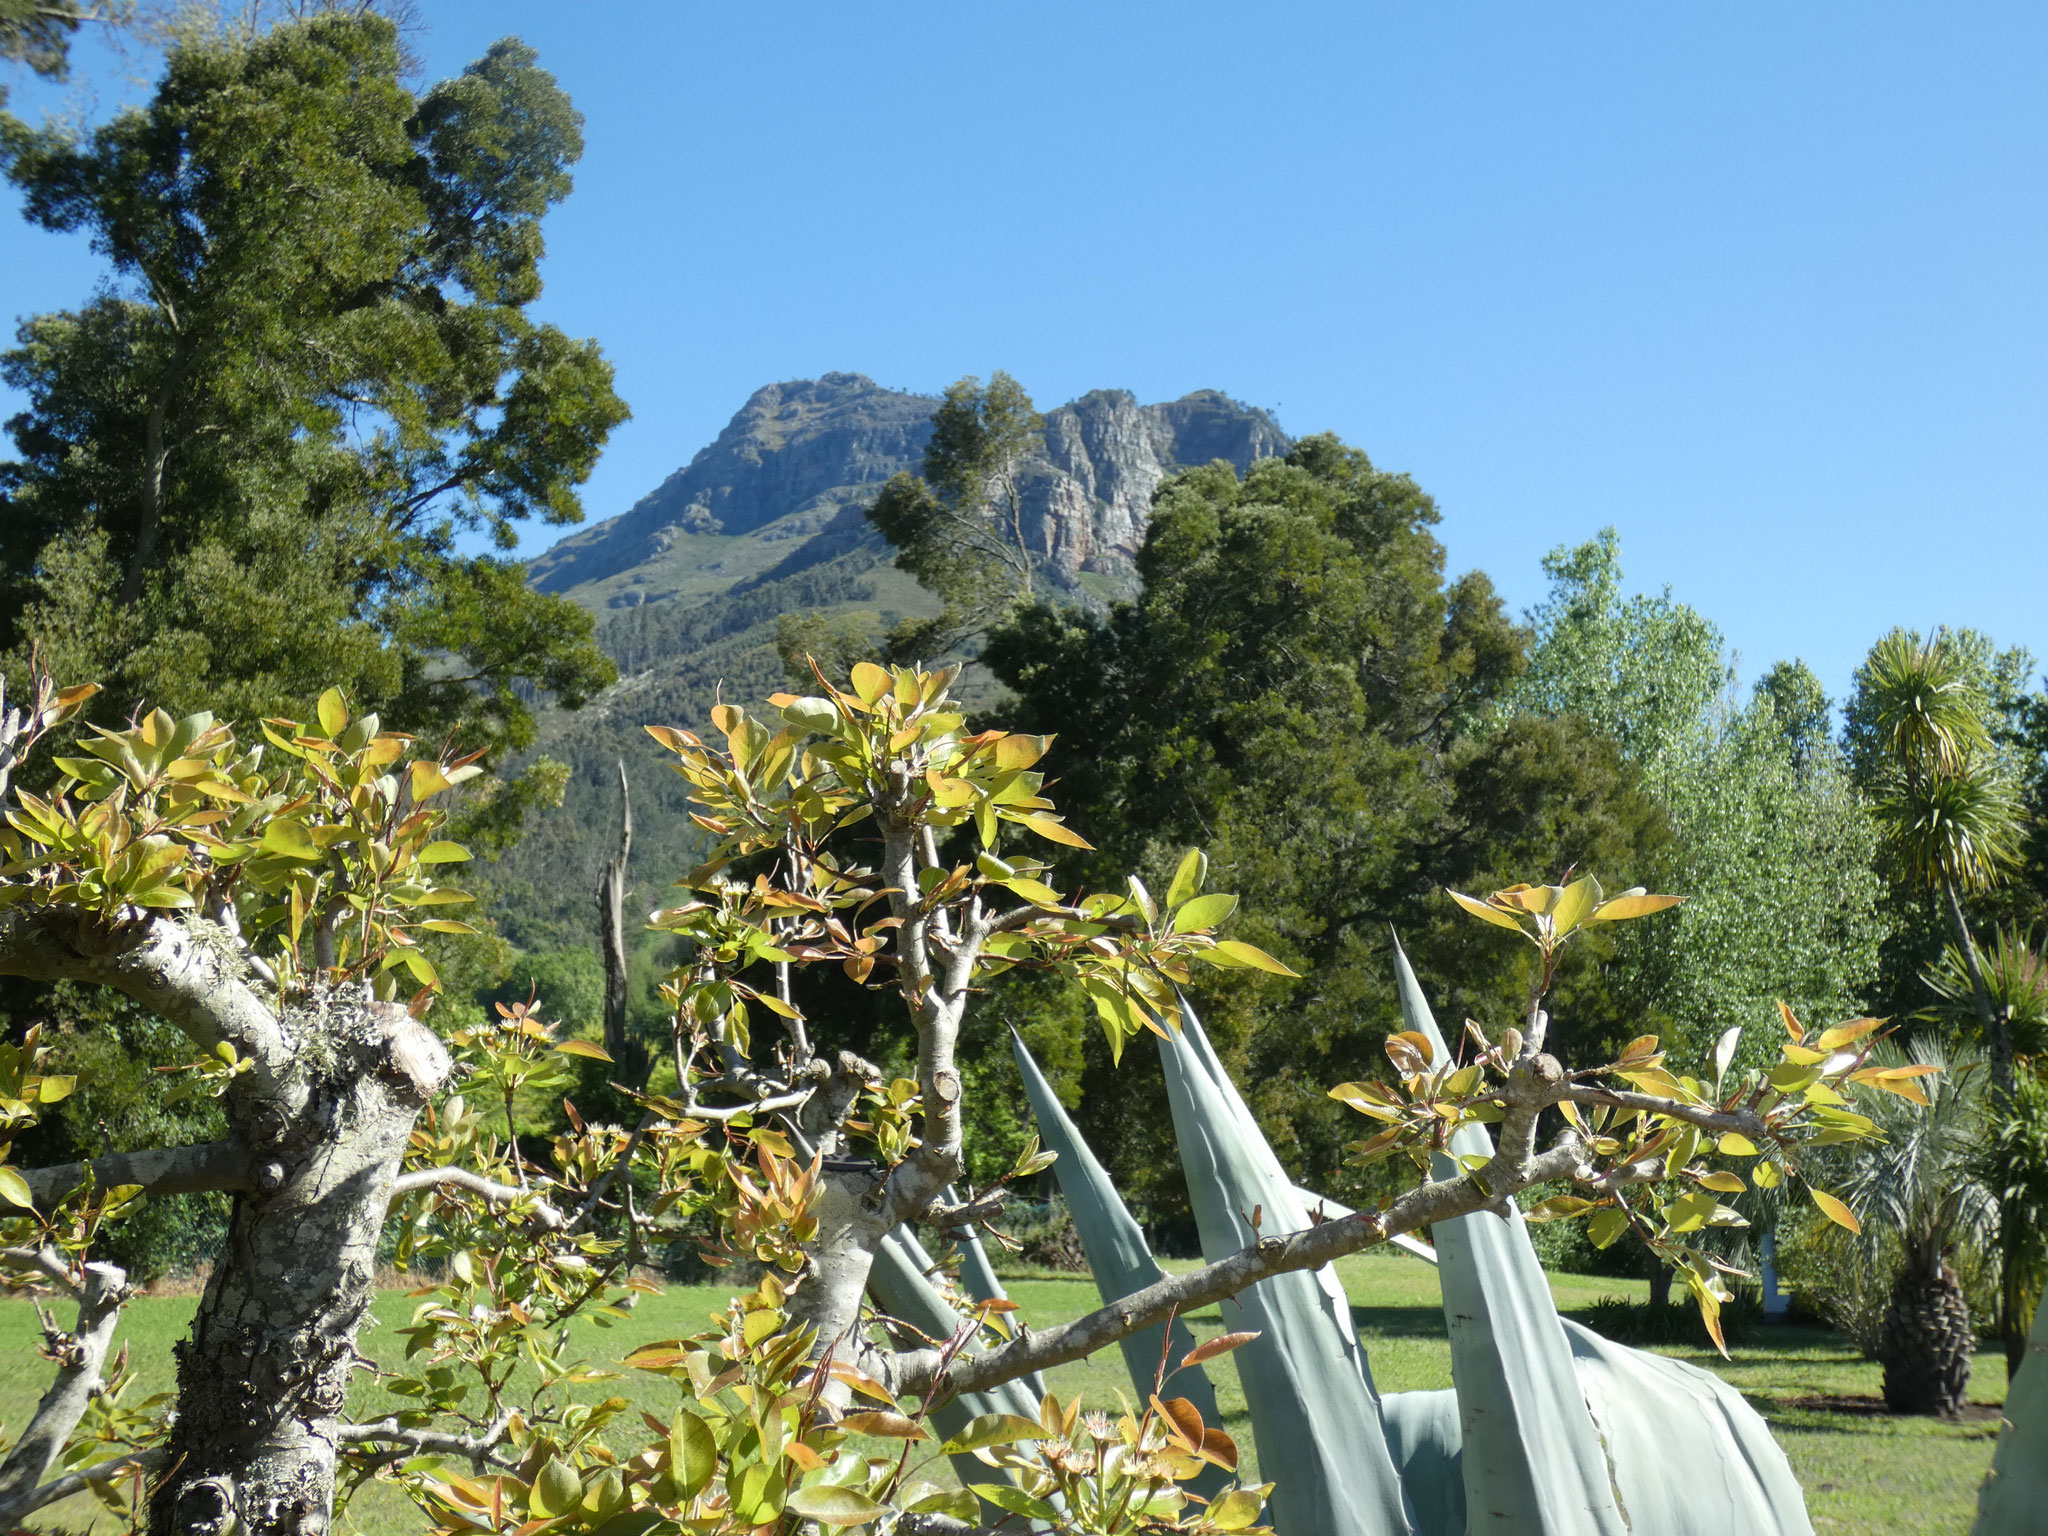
[(1864, 1473)]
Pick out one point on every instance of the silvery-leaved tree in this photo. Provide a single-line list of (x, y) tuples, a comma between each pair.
[(269, 898)]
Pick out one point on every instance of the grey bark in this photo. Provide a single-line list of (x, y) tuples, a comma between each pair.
[(611, 900), (81, 1355), (263, 1377), (219, 1165), (321, 1120)]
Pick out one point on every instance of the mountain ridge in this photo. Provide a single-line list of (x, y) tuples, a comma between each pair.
[(769, 518)]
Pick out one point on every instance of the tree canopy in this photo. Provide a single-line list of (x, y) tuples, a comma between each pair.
[(259, 461), (1296, 691)]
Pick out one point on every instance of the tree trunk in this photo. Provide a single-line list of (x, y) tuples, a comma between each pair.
[(1660, 1286), (1926, 1342), (1997, 1036), (611, 899), (265, 1373), (2012, 1327)]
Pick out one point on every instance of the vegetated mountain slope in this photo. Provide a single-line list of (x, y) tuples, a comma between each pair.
[(771, 519)]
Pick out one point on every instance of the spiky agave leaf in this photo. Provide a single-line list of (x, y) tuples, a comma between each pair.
[(899, 1286), (1532, 1460), (978, 1278), (2015, 1490), (1314, 1414), (1118, 1255), (1690, 1456), (1292, 1215), (1729, 1475)]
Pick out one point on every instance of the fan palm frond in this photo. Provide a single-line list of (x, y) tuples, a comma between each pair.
[(1920, 1181)]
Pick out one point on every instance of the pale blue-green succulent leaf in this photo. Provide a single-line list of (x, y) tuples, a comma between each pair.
[(2015, 1492), (899, 1285), (978, 1278), (1532, 1458), (1691, 1457), (1427, 1444), (1286, 1211), (1563, 1431), (1315, 1416), (1118, 1256)]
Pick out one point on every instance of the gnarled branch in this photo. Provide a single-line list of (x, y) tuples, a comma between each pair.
[(102, 1291), (159, 1170), (477, 1184)]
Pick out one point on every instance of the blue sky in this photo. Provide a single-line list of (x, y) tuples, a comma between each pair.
[(1760, 285)]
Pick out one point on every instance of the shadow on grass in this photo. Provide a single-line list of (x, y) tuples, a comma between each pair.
[(1400, 1322)]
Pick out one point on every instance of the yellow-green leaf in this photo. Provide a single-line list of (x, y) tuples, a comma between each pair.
[(1236, 1510), (1203, 912), (1054, 831), (333, 713), (290, 839), (14, 1189), (1572, 907), (443, 853), (1235, 952), (1480, 909), (1187, 880), (582, 1048), (1835, 1210), (1631, 904), (830, 1505), (693, 1453)]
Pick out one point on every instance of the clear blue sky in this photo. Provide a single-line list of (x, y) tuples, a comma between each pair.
[(1761, 285)]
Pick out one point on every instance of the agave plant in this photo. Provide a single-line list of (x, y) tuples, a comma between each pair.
[(2015, 1491), (1918, 1186)]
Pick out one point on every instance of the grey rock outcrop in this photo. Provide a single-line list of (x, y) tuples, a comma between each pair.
[(804, 458)]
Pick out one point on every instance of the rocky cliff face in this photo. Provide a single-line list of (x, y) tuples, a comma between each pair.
[(806, 457), (689, 584)]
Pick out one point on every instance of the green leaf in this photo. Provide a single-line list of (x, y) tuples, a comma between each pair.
[(1187, 880), (693, 1454), (582, 1048), (993, 1429), (1203, 912), (290, 839), (443, 853), (1015, 1500), (446, 925), (834, 1506), (14, 1189)]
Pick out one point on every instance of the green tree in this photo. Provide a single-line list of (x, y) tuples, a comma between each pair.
[(1948, 804), (1293, 692), (247, 467), (1773, 846), (959, 529), (1925, 728)]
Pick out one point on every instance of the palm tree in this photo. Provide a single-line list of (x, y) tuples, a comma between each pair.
[(1918, 1186), (1947, 810)]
